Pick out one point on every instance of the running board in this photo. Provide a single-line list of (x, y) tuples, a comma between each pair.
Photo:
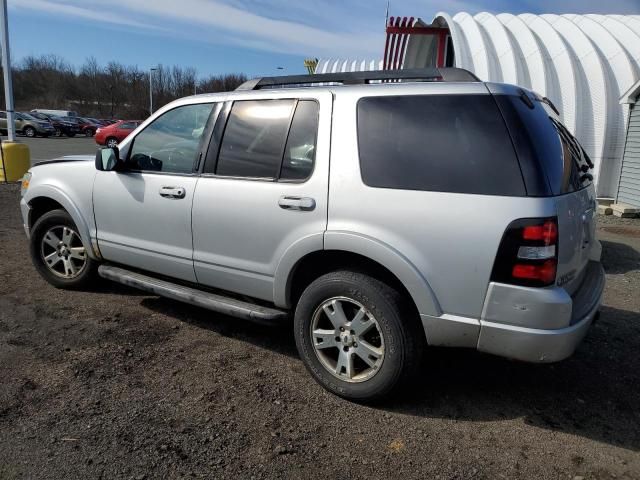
[(200, 298)]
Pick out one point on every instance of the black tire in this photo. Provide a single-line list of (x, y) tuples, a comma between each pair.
[(29, 132), (53, 219), (397, 322), (71, 134), (89, 132), (111, 142), (58, 132)]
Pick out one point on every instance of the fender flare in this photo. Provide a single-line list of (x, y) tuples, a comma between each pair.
[(55, 193), (381, 253)]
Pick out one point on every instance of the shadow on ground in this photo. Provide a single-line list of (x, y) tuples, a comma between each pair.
[(593, 394), (619, 258)]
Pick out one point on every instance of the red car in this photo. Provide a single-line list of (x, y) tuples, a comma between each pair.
[(111, 135)]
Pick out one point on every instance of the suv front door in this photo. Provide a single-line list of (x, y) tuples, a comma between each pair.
[(263, 192), (143, 214)]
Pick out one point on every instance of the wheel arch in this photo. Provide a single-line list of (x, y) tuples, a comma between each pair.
[(348, 250), (44, 198)]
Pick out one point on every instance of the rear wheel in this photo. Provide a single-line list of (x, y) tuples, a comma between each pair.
[(57, 251), (58, 132), (89, 132), (111, 142), (357, 336)]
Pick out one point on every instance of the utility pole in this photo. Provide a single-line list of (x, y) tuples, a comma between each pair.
[(6, 67), (151, 70)]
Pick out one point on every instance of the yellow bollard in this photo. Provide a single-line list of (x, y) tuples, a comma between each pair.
[(15, 161)]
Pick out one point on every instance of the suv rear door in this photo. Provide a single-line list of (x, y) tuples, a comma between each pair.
[(263, 189)]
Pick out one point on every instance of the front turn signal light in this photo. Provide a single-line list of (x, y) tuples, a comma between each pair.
[(25, 183)]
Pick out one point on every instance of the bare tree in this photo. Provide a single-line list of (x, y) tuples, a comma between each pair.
[(115, 90)]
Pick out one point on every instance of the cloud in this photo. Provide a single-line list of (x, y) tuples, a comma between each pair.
[(216, 21), (330, 28), (62, 9)]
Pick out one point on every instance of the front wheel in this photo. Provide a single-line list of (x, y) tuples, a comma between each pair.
[(111, 142), (58, 253), (30, 132), (357, 336)]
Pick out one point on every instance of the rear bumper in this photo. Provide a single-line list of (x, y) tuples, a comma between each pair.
[(519, 336)]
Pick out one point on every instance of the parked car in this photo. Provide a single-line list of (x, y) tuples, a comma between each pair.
[(26, 125), (111, 135), (61, 126), (99, 123), (382, 217), (87, 127), (57, 113)]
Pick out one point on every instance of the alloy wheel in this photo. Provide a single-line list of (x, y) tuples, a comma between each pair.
[(62, 252), (347, 339)]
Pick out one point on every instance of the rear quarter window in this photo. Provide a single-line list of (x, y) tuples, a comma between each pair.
[(551, 158), (440, 143)]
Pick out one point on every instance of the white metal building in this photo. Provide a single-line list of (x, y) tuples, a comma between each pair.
[(583, 63)]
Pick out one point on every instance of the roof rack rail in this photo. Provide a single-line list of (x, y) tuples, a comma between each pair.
[(361, 78)]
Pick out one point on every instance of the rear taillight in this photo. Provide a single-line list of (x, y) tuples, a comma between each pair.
[(528, 253)]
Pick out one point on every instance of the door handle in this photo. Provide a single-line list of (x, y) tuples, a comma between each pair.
[(305, 204), (172, 192)]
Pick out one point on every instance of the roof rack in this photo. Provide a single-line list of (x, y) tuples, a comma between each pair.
[(361, 78)]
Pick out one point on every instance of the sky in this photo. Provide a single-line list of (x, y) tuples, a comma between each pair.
[(255, 37)]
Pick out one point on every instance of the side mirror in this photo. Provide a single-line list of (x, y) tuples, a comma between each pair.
[(108, 159)]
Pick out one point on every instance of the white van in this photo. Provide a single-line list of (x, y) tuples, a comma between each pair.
[(57, 113)]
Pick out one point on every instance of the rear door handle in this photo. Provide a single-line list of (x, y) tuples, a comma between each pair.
[(305, 204), (172, 192)]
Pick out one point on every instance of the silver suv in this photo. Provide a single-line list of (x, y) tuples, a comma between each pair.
[(383, 211)]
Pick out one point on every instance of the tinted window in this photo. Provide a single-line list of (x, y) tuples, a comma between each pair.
[(547, 151), (442, 143), (170, 142), (254, 138), (127, 126), (300, 152)]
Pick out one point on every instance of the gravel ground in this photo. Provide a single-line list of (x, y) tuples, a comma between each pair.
[(114, 383)]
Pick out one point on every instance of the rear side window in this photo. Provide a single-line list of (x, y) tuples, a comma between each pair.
[(254, 139), (440, 143), (300, 152), (271, 139)]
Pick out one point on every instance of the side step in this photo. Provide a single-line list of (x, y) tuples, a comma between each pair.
[(210, 301)]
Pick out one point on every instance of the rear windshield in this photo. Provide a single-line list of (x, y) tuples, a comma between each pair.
[(552, 160), (440, 143)]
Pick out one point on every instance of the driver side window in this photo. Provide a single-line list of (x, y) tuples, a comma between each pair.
[(170, 142)]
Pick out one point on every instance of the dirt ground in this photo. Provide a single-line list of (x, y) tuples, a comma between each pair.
[(114, 383)]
